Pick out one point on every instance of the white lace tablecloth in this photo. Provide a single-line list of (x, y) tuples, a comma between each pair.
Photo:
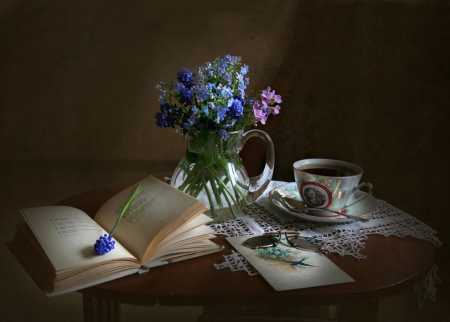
[(344, 239)]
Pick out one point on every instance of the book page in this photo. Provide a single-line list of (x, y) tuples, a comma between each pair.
[(185, 240), (34, 260), (199, 248), (67, 235), (201, 220), (157, 209)]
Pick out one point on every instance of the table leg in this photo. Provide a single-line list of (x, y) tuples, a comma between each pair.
[(365, 311), (254, 313), (97, 310)]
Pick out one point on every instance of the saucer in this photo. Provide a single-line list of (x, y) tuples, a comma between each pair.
[(290, 190)]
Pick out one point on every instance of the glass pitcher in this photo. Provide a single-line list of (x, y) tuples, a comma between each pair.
[(215, 175)]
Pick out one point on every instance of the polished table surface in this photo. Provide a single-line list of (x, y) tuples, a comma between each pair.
[(391, 265)]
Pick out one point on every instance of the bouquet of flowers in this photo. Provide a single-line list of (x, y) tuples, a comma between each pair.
[(211, 109)]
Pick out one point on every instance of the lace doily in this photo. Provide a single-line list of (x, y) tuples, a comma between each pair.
[(343, 239)]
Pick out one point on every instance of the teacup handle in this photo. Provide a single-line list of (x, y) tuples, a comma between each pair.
[(259, 183), (363, 184)]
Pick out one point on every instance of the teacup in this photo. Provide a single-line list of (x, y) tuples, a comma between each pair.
[(329, 184)]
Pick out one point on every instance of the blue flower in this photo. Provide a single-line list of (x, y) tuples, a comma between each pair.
[(162, 121), (200, 92), (215, 96), (192, 119), (233, 59), (223, 135), (227, 77), (240, 78), (224, 61), (221, 112), (226, 92), (184, 76), (230, 125), (178, 87), (244, 69), (166, 116), (236, 109), (242, 88), (185, 96), (162, 91), (211, 87), (104, 244)]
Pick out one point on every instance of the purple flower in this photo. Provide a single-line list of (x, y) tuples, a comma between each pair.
[(184, 76), (259, 112), (275, 110), (269, 96)]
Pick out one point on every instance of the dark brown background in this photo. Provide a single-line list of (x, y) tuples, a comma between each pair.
[(366, 82)]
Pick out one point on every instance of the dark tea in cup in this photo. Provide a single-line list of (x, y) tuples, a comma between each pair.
[(330, 172), (329, 184)]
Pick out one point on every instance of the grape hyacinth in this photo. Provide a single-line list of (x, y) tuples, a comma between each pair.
[(105, 243)]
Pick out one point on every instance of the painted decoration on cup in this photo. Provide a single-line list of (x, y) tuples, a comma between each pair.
[(316, 195)]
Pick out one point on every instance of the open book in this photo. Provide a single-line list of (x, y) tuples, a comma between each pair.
[(55, 244)]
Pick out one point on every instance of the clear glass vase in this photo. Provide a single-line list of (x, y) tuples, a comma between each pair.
[(214, 174)]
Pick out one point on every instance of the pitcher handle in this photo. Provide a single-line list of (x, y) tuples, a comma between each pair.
[(258, 184)]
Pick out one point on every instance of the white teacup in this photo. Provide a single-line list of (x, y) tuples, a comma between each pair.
[(329, 184)]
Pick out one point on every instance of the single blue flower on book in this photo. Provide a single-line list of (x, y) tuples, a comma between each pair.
[(105, 243)]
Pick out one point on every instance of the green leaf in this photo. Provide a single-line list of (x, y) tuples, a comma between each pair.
[(199, 142), (208, 157)]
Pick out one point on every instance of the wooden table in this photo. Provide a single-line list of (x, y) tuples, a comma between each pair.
[(392, 264)]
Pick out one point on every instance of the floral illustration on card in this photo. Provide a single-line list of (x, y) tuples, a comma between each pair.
[(285, 257)]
